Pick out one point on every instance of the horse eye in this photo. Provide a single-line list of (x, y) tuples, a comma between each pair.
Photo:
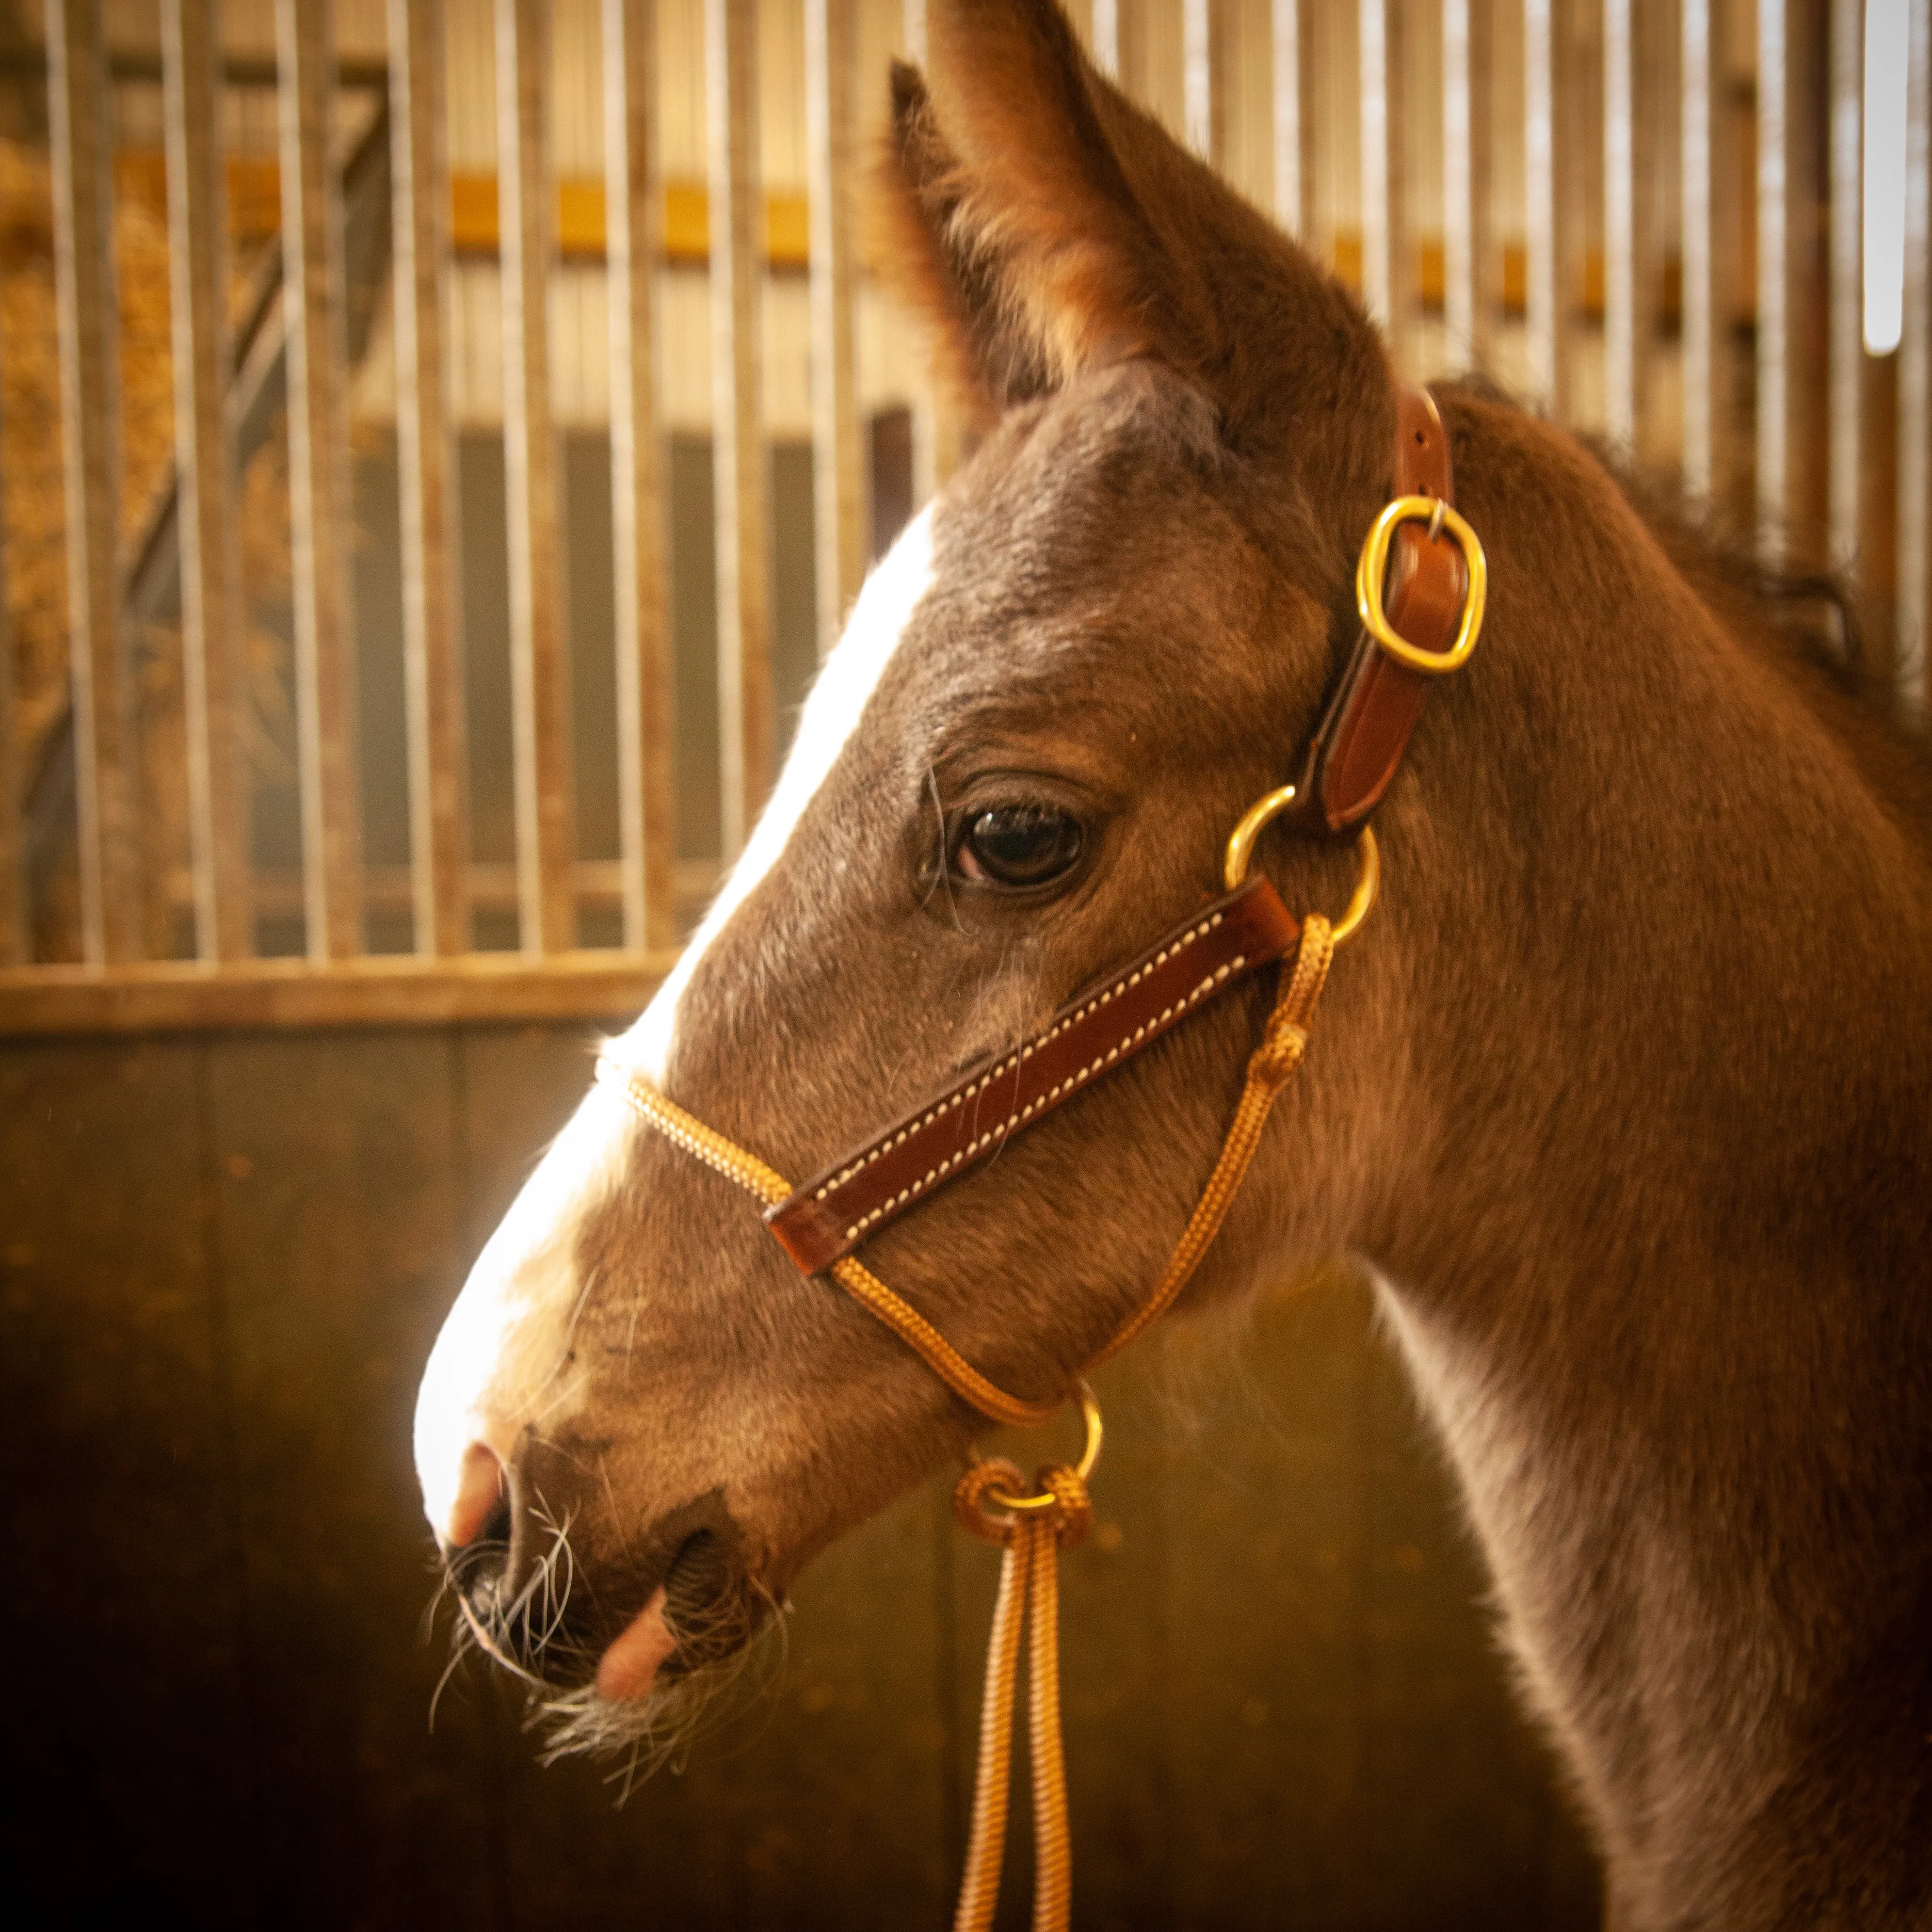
[(1018, 846)]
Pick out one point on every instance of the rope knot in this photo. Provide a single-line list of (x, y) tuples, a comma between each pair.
[(969, 1498), (978, 1496), (1071, 1515), (1273, 1064), (1279, 1053)]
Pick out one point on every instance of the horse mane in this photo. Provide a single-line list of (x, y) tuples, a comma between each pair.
[(1801, 619)]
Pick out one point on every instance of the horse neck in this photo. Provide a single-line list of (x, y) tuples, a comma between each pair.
[(1654, 1232)]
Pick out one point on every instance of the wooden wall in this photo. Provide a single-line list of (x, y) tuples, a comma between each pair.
[(222, 1262)]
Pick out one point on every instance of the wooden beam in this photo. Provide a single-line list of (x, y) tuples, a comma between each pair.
[(171, 996), (684, 231), (426, 477), (539, 660), (103, 711), (647, 696), (211, 572), (313, 287)]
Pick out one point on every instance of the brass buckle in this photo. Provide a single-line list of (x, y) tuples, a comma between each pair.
[(1090, 1454), (1264, 811), (1372, 565)]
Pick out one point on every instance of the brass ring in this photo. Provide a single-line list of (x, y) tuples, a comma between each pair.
[(1373, 564), (1090, 1454), (1368, 859)]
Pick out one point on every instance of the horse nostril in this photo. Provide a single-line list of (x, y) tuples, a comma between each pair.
[(696, 1575), (693, 1587), (482, 1509)]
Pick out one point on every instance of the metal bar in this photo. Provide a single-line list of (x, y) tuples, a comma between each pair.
[(1105, 38), (1119, 44), (539, 659), (838, 477), (15, 936), (1846, 352), (1622, 322), (647, 699), (1204, 80), (1774, 278), (315, 325), (210, 576), (426, 471), (78, 124), (740, 487), (1702, 319), (1385, 268), (1914, 368), (1551, 279), (1467, 296), (1290, 174)]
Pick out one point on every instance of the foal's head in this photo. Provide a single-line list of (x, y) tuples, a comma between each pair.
[(1053, 698)]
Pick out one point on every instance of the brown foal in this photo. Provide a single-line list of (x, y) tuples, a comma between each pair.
[(1624, 1092)]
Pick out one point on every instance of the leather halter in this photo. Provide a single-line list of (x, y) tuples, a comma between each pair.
[(1356, 749), (1405, 638), (1351, 760)]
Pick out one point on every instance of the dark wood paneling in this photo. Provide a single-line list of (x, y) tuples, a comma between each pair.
[(224, 1260), (112, 1339), (841, 1792), (1266, 1500), (126, 1719), (338, 1220)]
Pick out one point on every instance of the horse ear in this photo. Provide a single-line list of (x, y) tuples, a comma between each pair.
[(1027, 242), (928, 258), (1048, 226)]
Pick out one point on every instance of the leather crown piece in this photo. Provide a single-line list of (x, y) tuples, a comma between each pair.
[(1354, 755), (1357, 747)]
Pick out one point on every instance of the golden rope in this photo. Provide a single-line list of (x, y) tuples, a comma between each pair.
[(707, 1144), (980, 1889), (1033, 1537), (1270, 1067)]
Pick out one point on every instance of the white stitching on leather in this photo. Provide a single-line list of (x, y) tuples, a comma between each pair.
[(973, 1090)]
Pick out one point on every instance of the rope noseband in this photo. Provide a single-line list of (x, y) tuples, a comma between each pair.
[(1437, 596)]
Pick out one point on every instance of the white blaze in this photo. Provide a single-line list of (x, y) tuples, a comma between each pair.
[(500, 1362), (850, 675)]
